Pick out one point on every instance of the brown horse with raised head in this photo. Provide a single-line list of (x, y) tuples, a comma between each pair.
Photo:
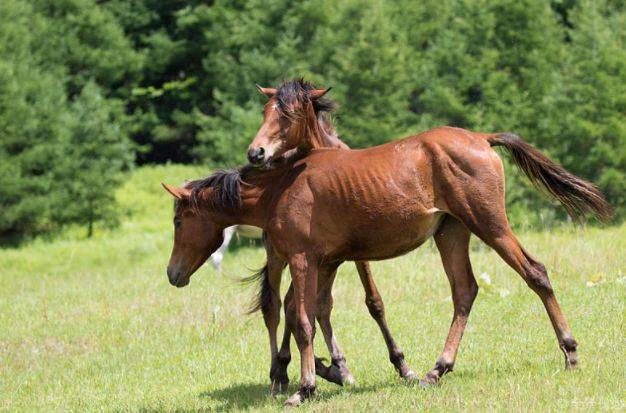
[(270, 277), (353, 205)]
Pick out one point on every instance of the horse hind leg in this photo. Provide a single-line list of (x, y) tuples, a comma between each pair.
[(337, 372), (452, 240), (536, 276), (499, 236), (270, 307), (376, 308)]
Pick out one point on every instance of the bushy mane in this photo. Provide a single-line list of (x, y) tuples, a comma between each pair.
[(226, 184), (293, 92)]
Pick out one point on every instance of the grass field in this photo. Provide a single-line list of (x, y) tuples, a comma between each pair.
[(93, 325)]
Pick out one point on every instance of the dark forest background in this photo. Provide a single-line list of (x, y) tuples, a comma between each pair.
[(90, 89)]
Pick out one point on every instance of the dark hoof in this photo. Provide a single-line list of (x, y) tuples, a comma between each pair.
[(406, 372), (330, 373), (410, 375), (568, 347), (278, 375), (571, 361), (430, 380), (348, 379), (333, 373)]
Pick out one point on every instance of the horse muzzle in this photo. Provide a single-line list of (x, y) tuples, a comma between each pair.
[(256, 156), (177, 277)]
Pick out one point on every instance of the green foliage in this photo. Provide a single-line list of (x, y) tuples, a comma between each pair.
[(60, 152), (94, 157), (32, 124), (549, 72), (177, 79)]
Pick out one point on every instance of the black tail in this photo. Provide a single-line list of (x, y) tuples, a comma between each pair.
[(577, 196), (263, 297)]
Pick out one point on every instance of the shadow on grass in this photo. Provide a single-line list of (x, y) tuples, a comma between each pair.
[(243, 396), (248, 395)]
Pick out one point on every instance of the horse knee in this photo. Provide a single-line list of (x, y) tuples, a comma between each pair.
[(304, 332), (463, 302), (375, 306)]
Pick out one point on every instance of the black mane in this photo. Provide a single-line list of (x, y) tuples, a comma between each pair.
[(293, 93), (226, 184)]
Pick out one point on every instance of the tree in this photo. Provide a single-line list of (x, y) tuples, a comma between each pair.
[(593, 139), (366, 63), (31, 124), (52, 150), (95, 154)]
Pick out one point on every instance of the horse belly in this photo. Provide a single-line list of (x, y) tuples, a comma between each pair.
[(391, 238)]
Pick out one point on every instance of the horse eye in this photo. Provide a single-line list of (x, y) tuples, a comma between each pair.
[(177, 223)]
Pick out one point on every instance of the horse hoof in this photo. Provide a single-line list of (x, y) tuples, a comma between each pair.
[(410, 376), (425, 384), (430, 380), (295, 400), (334, 375), (571, 365), (571, 361)]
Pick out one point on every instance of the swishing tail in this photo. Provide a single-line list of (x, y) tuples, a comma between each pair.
[(264, 295), (577, 196)]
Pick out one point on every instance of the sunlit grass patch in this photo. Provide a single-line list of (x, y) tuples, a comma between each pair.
[(92, 324)]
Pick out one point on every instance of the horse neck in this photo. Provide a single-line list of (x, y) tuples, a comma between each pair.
[(253, 209), (328, 137), (317, 132)]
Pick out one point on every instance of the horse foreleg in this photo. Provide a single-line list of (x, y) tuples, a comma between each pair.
[(301, 320), (376, 307)]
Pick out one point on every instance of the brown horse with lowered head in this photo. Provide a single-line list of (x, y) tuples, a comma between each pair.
[(354, 205)]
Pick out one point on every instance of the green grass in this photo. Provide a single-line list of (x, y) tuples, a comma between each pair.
[(93, 325)]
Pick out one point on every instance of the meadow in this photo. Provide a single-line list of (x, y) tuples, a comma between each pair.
[(93, 324)]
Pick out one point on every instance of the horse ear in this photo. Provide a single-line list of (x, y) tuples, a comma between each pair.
[(318, 93), (267, 91), (178, 193)]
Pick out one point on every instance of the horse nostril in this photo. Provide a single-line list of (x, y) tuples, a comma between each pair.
[(256, 155), (172, 275)]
